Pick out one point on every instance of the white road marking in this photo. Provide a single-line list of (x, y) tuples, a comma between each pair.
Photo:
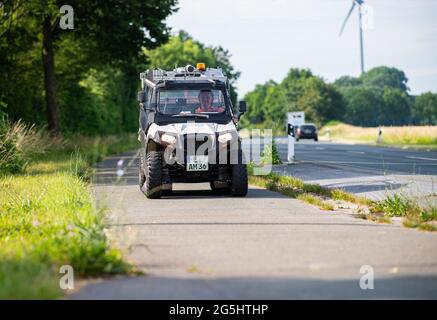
[(358, 152), (421, 158), (320, 148)]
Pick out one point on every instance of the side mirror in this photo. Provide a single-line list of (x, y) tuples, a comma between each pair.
[(242, 107), (141, 96)]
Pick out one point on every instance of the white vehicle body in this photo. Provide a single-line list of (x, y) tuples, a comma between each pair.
[(188, 131)]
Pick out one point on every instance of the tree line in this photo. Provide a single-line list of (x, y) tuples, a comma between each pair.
[(79, 80), (380, 96), (85, 80)]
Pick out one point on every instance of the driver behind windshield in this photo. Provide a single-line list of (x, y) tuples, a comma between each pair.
[(206, 99)]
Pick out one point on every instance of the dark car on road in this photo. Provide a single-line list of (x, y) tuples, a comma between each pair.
[(307, 131)]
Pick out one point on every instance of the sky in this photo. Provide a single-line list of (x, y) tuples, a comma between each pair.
[(267, 37)]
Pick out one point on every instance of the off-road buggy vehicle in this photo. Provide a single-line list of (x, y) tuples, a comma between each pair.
[(188, 132)]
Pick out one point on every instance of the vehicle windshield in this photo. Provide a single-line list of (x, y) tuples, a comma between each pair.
[(191, 101), (308, 127)]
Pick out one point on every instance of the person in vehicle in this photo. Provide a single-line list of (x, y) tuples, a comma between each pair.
[(206, 99)]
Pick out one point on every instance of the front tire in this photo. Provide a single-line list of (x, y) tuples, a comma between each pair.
[(150, 175), (239, 184)]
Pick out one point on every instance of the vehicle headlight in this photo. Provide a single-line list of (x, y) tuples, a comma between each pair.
[(168, 139), (223, 138)]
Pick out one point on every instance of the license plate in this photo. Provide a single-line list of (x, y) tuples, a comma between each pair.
[(197, 163)]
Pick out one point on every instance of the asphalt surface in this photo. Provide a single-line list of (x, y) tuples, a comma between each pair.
[(197, 245), (370, 171), (389, 160)]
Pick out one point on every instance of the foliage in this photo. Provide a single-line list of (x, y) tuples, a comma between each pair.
[(383, 76), (105, 45), (395, 110), (300, 90), (182, 50), (378, 97), (424, 109), (11, 159), (394, 206), (362, 105), (19, 142), (48, 219), (270, 154)]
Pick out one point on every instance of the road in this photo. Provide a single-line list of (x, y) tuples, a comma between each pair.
[(197, 245), (389, 160), (370, 171)]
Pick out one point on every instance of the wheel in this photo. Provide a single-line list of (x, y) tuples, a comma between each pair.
[(239, 180), (150, 174), (316, 139), (167, 189), (219, 187), (141, 175), (297, 139)]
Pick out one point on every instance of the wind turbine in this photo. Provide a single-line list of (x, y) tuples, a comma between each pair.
[(358, 3)]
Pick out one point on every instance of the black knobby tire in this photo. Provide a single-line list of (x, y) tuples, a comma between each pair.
[(141, 175), (239, 180), (152, 186)]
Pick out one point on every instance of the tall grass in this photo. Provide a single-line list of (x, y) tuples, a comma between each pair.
[(19, 142), (406, 135), (47, 214)]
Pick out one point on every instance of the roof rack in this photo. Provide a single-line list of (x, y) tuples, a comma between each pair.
[(188, 73)]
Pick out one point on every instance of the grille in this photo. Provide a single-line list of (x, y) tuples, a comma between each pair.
[(199, 142)]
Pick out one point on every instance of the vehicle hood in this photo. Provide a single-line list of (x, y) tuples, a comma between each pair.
[(193, 127)]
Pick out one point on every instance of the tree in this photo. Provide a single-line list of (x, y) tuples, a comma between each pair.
[(320, 101), (348, 81), (387, 90), (383, 76), (255, 99), (293, 84), (363, 106), (182, 50), (396, 107), (424, 109), (112, 31), (300, 90)]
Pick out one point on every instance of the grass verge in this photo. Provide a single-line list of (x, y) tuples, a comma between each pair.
[(291, 187), (48, 219), (419, 137), (413, 214), (423, 217)]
